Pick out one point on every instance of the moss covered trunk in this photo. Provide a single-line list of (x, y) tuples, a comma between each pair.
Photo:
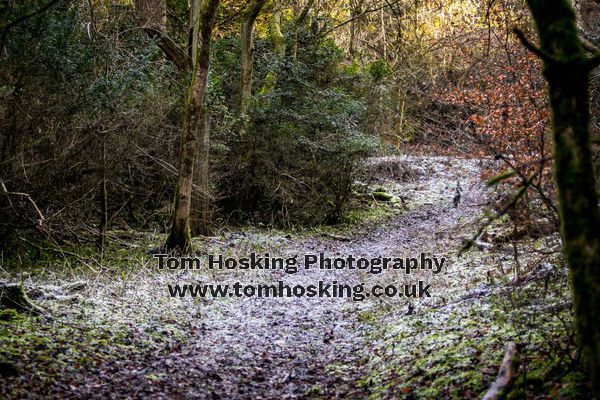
[(13, 296), (276, 35), (567, 69), (203, 20), (201, 214), (278, 41)]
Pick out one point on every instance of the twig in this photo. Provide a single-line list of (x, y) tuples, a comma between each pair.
[(28, 197)]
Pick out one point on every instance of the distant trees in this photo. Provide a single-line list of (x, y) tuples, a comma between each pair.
[(248, 17), (567, 70), (324, 74)]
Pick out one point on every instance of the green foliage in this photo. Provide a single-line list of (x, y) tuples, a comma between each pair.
[(353, 70), (8, 315), (296, 163), (178, 16), (379, 69)]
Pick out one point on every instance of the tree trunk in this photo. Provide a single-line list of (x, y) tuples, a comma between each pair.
[(153, 17), (278, 42), (567, 70), (205, 10), (353, 14), (298, 24), (200, 220), (248, 18), (103, 196), (276, 36)]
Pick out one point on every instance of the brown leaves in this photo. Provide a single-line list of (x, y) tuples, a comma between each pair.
[(509, 111)]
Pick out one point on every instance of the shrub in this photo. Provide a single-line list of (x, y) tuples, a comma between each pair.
[(296, 163)]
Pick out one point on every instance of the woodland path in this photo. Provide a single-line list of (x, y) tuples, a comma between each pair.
[(256, 348)]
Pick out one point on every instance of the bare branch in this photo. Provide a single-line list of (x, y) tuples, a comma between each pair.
[(28, 197), (370, 10), (531, 47)]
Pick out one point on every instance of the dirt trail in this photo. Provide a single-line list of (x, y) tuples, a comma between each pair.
[(258, 348)]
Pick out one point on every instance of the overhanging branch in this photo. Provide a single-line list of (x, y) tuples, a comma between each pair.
[(531, 47)]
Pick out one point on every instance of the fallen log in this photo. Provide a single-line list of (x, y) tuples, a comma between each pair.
[(382, 196), (51, 292), (74, 286), (506, 375), (13, 296)]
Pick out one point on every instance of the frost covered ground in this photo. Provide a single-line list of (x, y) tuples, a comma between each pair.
[(123, 336)]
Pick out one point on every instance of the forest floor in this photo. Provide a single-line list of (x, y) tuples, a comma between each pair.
[(123, 336)]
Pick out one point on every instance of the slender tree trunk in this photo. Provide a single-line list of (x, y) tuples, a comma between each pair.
[(383, 36), (298, 24), (180, 236), (278, 42), (276, 36), (353, 13), (248, 18), (201, 214), (103, 196), (567, 71), (304, 13), (102, 189)]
